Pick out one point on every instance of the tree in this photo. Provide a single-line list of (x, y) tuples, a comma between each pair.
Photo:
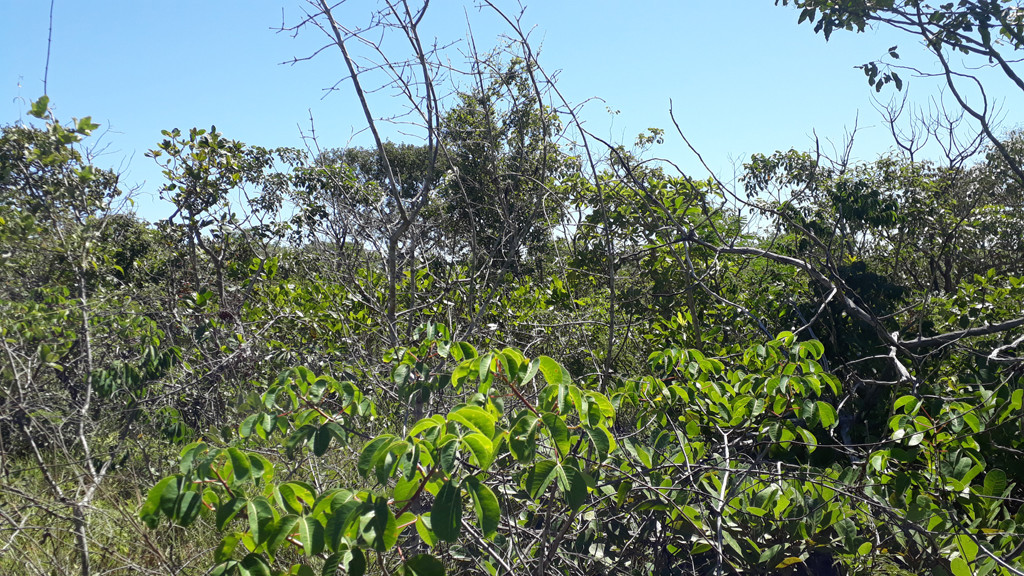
[(500, 144), (78, 353)]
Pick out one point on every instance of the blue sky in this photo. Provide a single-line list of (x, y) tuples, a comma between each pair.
[(743, 77)]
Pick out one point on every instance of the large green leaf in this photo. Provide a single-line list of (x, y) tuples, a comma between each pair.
[(282, 529), (826, 414), (446, 452), (995, 482), (261, 517), (189, 506), (294, 496), (297, 439), (423, 529), (372, 451), (959, 567), (39, 107), (377, 525), (169, 495), (228, 510), (485, 505), (481, 447), (475, 418), (226, 548), (522, 439), (553, 372), (446, 514), (558, 431), (239, 464), (338, 521), (423, 565), (254, 565), (310, 536), (151, 508), (539, 477), (351, 560), (575, 487), (602, 441), (322, 440)]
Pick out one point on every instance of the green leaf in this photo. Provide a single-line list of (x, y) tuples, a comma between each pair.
[(239, 464), (475, 418), (311, 536), (261, 519), (481, 447), (423, 565), (827, 415), (907, 400), (338, 521), (297, 439), (516, 357), (812, 347), (227, 511), (372, 451), (294, 496), (39, 107), (603, 404), (169, 495), (245, 428), (530, 372), (959, 567), (405, 489), (426, 424), (576, 485), (86, 125), (352, 561), (282, 529), (378, 526), (322, 440), (255, 565), (995, 482), (769, 553), (878, 459), (226, 548), (972, 473), (467, 349), (484, 369), (261, 468), (968, 547), (558, 431), (809, 412), (553, 372), (539, 477), (189, 506), (423, 529), (522, 438), (602, 441), (485, 506), (152, 507), (401, 374), (446, 514), (808, 438), (446, 453)]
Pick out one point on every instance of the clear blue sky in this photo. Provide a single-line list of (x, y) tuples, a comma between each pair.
[(743, 76)]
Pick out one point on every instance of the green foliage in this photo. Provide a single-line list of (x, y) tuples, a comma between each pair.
[(715, 449), (821, 374)]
